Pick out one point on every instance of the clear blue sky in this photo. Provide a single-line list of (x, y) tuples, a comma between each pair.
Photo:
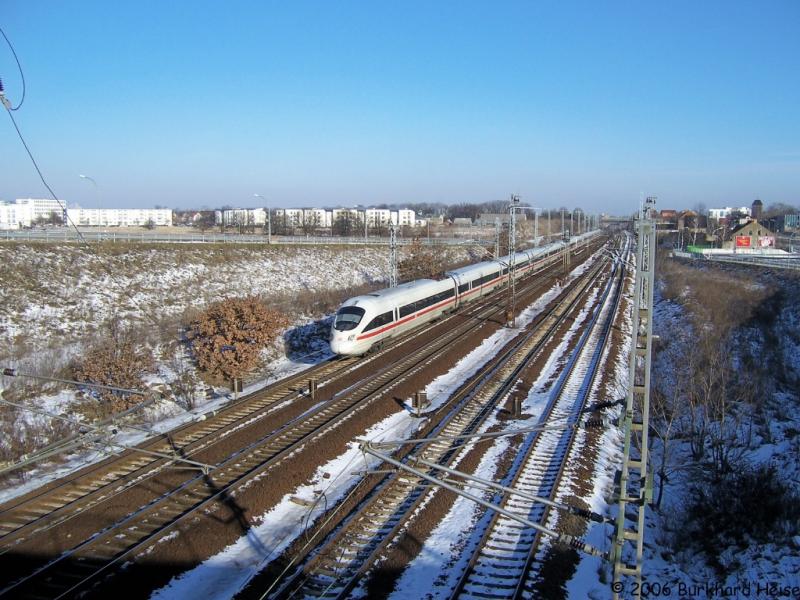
[(584, 104)]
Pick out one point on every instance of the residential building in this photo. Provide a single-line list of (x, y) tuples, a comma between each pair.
[(44, 208), (377, 217), (15, 215), (26, 212), (404, 217), (289, 217), (716, 214), (317, 217), (119, 217), (241, 216)]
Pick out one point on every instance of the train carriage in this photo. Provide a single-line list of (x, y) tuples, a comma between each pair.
[(365, 321)]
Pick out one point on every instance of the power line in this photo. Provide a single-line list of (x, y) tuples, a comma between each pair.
[(21, 74)]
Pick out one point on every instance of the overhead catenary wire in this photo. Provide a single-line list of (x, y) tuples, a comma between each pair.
[(21, 72)]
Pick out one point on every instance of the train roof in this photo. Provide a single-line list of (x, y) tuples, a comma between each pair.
[(481, 267), (402, 291)]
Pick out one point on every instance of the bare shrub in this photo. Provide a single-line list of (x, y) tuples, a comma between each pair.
[(119, 360), (421, 262), (745, 505), (228, 337), (20, 436), (184, 386)]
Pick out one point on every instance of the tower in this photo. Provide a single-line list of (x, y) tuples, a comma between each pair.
[(755, 210)]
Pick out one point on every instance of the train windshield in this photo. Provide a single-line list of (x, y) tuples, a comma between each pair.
[(348, 318)]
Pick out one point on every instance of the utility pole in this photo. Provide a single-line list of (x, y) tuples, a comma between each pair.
[(635, 479), (535, 229), (512, 249), (392, 254), (496, 237)]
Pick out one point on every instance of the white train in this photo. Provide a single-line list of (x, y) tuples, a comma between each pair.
[(364, 321)]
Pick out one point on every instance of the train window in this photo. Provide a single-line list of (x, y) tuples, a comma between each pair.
[(464, 287), (380, 320), (406, 310), (348, 318)]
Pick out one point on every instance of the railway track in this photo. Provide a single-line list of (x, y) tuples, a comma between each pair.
[(349, 553), (53, 505), (80, 566), (38, 512), (503, 564)]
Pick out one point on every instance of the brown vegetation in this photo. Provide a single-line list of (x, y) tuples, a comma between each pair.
[(228, 337), (117, 359), (421, 262)]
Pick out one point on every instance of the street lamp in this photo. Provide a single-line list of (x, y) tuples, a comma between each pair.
[(269, 218)]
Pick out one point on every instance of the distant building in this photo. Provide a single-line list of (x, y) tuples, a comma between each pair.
[(26, 212), (288, 217), (317, 217), (715, 214), (15, 216), (119, 217), (378, 217), (791, 222), (233, 217), (489, 219), (462, 222), (404, 217), (751, 236), (756, 209)]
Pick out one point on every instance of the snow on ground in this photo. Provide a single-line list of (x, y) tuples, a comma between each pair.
[(162, 416), (55, 297), (227, 572), (447, 550)]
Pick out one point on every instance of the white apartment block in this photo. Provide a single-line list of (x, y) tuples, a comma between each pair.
[(318, 217), (241, 216), (44, 207), (15, 216), (719, 213), (119, 217), (378, 216), (346, 213), (291, 217), (25, 212), (404, 217)]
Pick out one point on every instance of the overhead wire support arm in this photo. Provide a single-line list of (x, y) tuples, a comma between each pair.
[(572, 541)]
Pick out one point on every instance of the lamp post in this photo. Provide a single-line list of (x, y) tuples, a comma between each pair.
[(269, 218), (97, 195)]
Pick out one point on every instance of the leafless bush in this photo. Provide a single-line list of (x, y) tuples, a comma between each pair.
[(21, 434), (228, 337), (117, 359), (745, 505), (421, 262), (185, 386)]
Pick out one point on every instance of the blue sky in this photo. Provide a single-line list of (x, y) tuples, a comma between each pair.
[(580, 104)]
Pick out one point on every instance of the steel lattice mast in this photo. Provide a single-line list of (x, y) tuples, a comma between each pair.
[(635, 482)]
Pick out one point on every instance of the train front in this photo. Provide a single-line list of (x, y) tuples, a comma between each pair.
[(344, 333)]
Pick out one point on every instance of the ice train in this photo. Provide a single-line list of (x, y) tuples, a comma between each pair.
[(369, 320)]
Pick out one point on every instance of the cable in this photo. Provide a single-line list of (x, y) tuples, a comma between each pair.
[(21, 74)]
